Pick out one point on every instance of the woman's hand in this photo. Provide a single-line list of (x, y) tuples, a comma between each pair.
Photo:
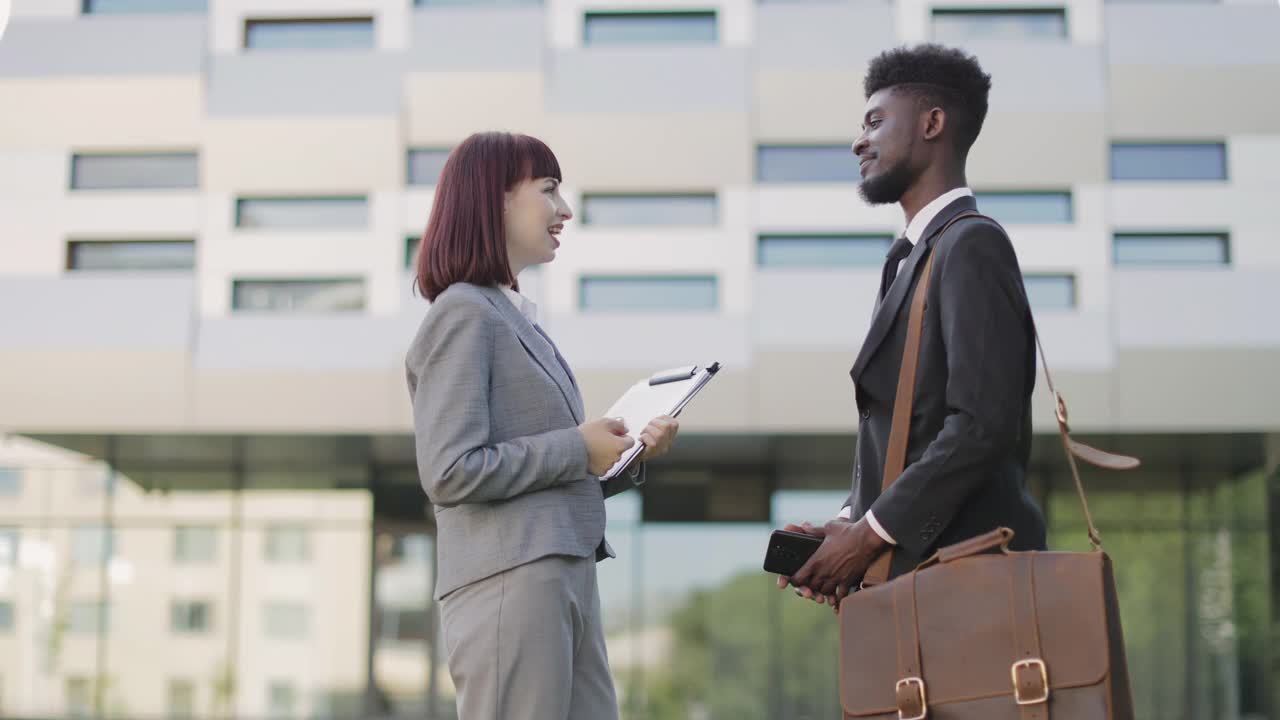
[(606, 440), (658, 436)]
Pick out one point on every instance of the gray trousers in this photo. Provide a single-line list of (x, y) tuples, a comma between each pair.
[(528, 644)]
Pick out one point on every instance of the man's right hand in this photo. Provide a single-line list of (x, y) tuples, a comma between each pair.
[(606, 440), (784, 581)]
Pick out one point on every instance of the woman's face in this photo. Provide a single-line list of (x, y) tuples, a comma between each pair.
[(535, 215)]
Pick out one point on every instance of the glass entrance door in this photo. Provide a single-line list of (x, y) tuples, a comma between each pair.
[(408, 671)]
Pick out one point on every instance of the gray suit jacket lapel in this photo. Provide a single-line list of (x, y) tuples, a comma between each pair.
[(887, 311), (541, 349)]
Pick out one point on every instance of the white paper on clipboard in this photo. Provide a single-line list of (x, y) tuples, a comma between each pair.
[(657, 395)]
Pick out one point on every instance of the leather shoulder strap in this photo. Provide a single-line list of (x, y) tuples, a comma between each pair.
[(904, 398), (895, 460)]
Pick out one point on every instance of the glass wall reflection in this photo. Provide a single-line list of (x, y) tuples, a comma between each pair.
[(262, 590), (116, 602)]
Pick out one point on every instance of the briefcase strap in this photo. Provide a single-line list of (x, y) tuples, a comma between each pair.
[(904, 397), (1029, 674)]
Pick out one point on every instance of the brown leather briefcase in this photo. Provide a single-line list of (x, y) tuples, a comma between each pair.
[(975, 634)]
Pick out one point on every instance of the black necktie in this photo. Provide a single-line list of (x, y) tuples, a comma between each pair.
[(900, 249)]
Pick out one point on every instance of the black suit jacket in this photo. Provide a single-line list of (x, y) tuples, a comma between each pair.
[(970, 434)]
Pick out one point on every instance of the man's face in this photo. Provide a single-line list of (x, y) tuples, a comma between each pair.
[(886, 151)]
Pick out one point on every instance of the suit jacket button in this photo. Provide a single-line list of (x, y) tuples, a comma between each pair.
[(866, 414)]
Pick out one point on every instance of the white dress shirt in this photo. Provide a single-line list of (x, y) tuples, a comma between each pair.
[(526, 306), (914, 230)]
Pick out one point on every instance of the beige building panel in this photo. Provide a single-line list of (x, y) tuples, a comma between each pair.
[(670, 152), (444, 108), (802, 392), (781, 392), (294, 401), (1049, 149), (1173, 102), (314, 154), (61, 391), (809, 105), (107, 113), (1200, 390)]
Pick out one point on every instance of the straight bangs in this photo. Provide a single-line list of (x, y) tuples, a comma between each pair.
[(533, 160)]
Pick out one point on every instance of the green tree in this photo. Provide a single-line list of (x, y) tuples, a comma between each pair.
[(747, 651)]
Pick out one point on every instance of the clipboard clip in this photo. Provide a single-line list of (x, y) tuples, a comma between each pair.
[(674, 375), (681, 374)]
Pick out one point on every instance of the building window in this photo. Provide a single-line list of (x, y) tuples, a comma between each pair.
[(1168, 161), (9, 539), (961, 25), (195, 544), (1172, 249), (309, 34), (95, 485), (638, 210), (89, 617), (822, 251), (182, 699), (806, 163), (137, 7), (286, 544), (403, 625), (1030, 208), (10, 481), (135, 171), (474, 3), (649, 294), (79, 697), (339, 295), (302, 213), (1050, 291), (426, 164), (92, 545), (6, 615), (411, 245), (282, 700), (285, 621), (131, 255), (191, 616), (650, 28)]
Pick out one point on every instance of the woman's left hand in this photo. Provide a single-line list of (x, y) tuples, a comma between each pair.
[(658, 436)]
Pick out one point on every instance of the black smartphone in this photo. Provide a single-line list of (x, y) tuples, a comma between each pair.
[(789, 551)]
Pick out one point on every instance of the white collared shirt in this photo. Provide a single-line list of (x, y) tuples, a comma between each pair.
[(526, 306), (914, 230), (927, 213)]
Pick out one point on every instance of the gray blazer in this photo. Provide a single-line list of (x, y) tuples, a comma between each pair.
[(496, 411)]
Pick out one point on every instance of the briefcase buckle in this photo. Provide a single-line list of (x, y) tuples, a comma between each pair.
[(1032, 664), (911, 683)]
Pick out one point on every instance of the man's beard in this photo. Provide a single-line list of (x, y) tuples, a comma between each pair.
[(889, 186)]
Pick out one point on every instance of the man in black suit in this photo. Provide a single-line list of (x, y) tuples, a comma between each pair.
[(970, 431)]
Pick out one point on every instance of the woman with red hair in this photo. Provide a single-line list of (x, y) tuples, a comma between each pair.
[(504, 450)]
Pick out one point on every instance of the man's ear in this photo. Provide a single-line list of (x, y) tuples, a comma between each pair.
[(934, 121)]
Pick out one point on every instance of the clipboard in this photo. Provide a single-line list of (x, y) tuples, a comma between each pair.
[(664, 393)]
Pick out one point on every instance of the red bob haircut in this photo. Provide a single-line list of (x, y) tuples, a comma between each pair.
[(465, 240)]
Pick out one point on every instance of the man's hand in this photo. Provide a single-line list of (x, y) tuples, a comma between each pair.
[(847, 550), (784, 581)]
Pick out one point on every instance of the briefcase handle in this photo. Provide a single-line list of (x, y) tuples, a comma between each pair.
[(896, 455)]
